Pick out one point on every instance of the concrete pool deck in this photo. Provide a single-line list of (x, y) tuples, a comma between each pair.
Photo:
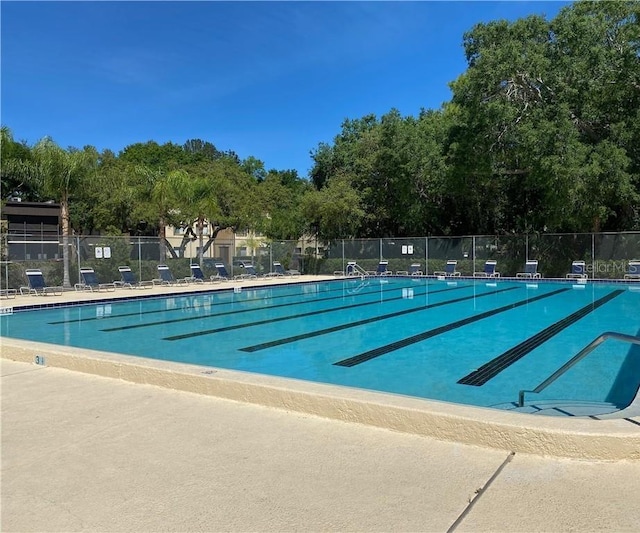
[(93, 441), (613, 437), (101, 442), (82, 452)]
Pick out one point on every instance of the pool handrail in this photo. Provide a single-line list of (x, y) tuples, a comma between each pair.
[(576, 358)]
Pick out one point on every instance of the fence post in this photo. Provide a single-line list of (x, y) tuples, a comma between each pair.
[(593, 256), (426, 256)]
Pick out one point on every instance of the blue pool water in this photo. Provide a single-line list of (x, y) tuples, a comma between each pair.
[(465, 341)]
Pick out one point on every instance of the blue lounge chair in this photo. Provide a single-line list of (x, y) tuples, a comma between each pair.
[(167, 277), (449, 269), (530, 270), (578, 270), (633, 270), (489, 270), (90, 282), (277, 272), (382, 269), (37, 285), (248, 272), (415, 269), (197, 276), (129, 281), (221, 274)]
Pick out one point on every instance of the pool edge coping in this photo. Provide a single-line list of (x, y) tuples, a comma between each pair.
[(570, 437)]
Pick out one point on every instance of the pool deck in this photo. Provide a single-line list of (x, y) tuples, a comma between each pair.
[(102, 442)]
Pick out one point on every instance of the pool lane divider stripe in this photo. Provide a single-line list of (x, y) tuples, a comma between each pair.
[(365, 321), (403, 343), (215, 304), (492, 368), (299, 315), (277, 306)]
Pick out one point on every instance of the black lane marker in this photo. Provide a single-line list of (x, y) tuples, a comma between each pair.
[(340, 327), (266, 307), (382, 350), (290, 317), (154, 311), (492, 368)]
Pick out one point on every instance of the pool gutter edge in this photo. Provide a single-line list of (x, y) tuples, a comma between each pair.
[(571, 437)]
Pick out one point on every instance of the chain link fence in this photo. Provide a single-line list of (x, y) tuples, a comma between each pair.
[(606, 255)]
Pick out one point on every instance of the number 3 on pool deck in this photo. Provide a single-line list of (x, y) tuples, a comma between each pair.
[(39, 360)]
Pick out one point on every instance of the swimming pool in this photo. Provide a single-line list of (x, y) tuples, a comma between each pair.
[(463, 341)]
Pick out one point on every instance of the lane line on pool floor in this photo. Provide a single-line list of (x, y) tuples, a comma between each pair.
[(403, 343), (492, 368), (269, 307), (340, 327), (211, 295)]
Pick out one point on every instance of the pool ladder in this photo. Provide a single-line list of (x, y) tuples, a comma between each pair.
[(576, 358)]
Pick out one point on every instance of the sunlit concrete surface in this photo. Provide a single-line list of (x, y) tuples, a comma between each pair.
[(87, 453), (613, 439)]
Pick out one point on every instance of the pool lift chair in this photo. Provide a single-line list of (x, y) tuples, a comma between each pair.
[(129, 281), (489, 270), (90, 282), (449, 270), (530, 270), (37, 285), (633, 270), (167, 277), (354, 269), (578, 270)]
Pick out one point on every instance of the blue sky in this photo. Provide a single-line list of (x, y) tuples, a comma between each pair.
[(264, 79)]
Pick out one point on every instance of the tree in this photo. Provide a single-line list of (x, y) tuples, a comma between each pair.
[(335, 211), (61, 172)]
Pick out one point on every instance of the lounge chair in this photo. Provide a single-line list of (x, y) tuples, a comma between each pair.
[(248, 272), (633, 270), (129, 281), (414, 270), (167, 278), (221, 274), (489, 270), (279, 271), (90, 282), (381, 270), (197, 276), (530, 270), (37, 285), (578, 270), (449, 269)]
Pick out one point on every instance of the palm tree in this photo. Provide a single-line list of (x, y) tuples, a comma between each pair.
[(162, 189), (197, 201), (59, 172)]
